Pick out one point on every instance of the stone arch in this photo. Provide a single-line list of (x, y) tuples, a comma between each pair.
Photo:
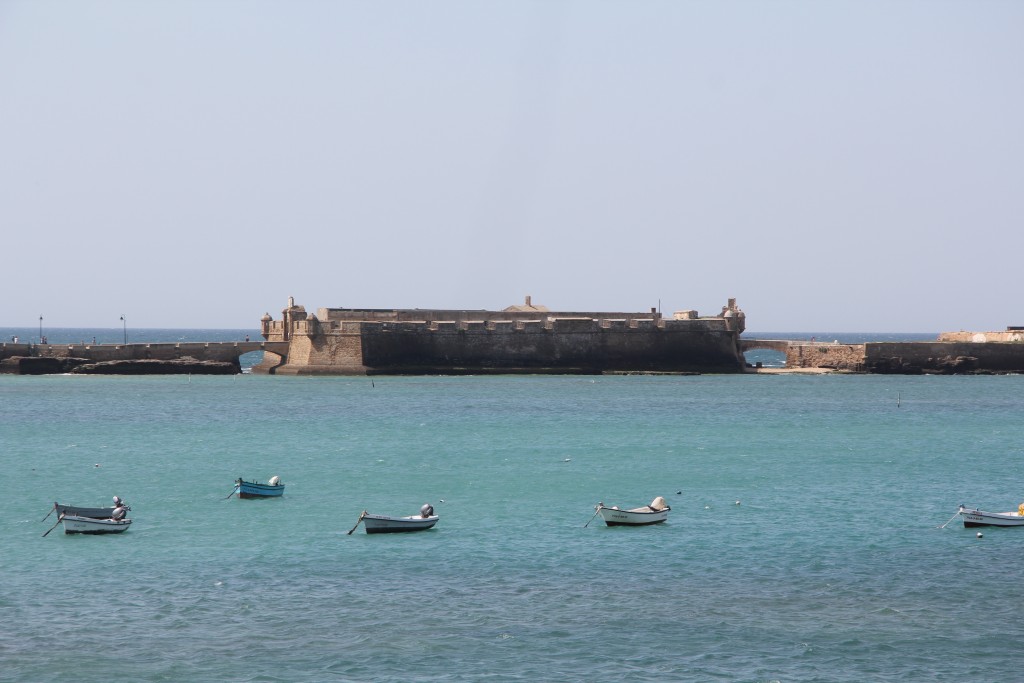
[(768, 352)]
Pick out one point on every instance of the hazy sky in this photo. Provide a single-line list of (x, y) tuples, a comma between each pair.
[(846, 166)]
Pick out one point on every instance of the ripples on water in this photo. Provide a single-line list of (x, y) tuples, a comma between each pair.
[(831, 567)]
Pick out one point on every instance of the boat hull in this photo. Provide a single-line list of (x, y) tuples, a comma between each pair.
[(249, 489), (74, 524), (382, 524), (634, 517), (973, 518)]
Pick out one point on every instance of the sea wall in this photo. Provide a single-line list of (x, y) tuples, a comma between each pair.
[(832, 356), (49, 358), (1011, 335), (909, 357), (556, 345), (943, 357)]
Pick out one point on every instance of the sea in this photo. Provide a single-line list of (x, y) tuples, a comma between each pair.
[(813, 534)]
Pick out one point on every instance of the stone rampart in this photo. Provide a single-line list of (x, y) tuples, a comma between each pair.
[(562, 345), (832, 356)]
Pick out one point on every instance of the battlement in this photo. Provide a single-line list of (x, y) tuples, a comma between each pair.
[(553, 325)]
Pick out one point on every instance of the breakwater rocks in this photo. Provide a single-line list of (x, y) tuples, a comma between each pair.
[(183, 366), (36, 365), (146, 358)]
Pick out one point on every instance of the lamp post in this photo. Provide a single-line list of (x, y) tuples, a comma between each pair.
[(40, 329), (124, 324)]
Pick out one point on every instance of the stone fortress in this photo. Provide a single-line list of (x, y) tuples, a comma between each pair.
[(524, 338)]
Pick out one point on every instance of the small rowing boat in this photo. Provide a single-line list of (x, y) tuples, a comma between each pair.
[(73, 524), (254, 489), (655, 513), (74, 510), (974, 517), (384, 524), (95, 513)]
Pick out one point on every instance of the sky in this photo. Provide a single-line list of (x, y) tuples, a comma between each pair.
[(842, 165)]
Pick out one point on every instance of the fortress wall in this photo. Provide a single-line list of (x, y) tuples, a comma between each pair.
[(299, 351), (702, 324), (574, 345), (274, 330), (569, 325), (334, 354)]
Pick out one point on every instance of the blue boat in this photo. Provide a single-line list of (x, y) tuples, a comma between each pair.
[(254, 489)]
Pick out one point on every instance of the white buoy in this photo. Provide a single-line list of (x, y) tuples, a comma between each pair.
[(979, 535), (737, 502)]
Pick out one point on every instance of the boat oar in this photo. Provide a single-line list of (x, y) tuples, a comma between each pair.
[(49, 513), (361, 515), (950, 520), (59, 520), (233, 492), (596, 511)]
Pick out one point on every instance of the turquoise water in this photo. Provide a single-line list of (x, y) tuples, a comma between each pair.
[(830, 567)]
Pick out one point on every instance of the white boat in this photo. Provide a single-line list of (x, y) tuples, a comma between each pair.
[(974, 517), (74, 524), (384, 524), (77, 511), (655, 513)]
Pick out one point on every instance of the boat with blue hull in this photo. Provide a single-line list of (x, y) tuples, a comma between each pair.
[(254, 489)]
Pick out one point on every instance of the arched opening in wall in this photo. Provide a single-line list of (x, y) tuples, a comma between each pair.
[(268, 364), (248, 360), (768, 358)]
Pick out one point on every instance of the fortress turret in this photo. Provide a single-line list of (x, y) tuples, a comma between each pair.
[(735, 318), (290, 316)]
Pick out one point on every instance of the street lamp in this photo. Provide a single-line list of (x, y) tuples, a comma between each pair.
[(124, 324), (40, 329)]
